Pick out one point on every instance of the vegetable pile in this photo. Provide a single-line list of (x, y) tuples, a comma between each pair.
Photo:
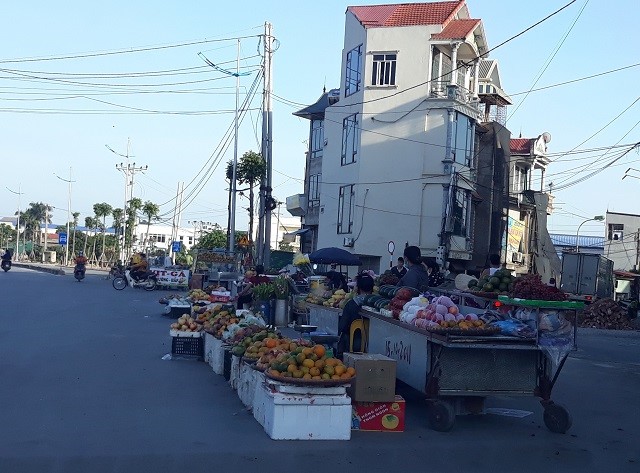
[(530, 286)]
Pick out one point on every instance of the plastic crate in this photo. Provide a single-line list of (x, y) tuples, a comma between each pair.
[(192, 347)]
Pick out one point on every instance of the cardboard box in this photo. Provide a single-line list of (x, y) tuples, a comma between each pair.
[(375, 377), (220, 296), (379, 416)]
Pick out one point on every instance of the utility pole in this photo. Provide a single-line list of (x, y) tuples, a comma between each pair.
[(66, 246), (19, 193), (264, 221), (232, 216), (128, 170), (46, 230)]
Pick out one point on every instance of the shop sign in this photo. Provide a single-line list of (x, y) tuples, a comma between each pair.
[(168, 277)]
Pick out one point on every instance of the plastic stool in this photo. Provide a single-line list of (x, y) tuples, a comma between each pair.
[(363, 326)]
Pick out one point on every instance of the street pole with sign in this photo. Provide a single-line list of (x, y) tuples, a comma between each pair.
[(391, 247)]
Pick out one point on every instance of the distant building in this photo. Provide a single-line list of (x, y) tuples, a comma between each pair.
[(621, 242), (586, 244)]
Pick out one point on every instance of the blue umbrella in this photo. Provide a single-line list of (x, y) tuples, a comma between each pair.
[(334, 255)]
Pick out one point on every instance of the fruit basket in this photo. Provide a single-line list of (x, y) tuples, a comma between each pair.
[(326, 383)]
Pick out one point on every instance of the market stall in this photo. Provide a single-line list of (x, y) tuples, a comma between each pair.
[(295, 387), (457, 357)]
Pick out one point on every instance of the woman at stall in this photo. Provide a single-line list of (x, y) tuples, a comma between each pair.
[(416, 276), (433, 270), (351, 311)]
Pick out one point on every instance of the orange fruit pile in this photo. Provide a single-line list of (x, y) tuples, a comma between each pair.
[(309, 363)]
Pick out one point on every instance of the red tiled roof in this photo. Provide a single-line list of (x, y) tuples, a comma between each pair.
[(457, 29), (406, 14), (520, 145)]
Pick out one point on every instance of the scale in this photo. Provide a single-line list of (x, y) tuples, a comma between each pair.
[(305, 330)]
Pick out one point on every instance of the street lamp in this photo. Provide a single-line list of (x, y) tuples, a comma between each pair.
[(598, 218), (66, 246)]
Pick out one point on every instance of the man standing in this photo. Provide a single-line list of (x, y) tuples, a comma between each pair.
[(399, 270)]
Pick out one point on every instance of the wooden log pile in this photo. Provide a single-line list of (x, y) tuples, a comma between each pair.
[(605, 314)]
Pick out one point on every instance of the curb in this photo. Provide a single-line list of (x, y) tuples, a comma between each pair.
[(634, 333), (44, 269)]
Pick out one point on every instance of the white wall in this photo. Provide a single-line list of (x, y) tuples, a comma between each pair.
[(622, 252), (397, 197)]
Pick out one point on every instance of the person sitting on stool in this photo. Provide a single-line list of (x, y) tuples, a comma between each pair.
[(351, 311)]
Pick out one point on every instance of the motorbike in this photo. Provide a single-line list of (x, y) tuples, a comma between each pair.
[(79, 271), (6, 265), (147, 282)]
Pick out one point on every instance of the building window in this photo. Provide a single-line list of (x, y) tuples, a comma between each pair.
[(615, 231), (190, 240), (463, 139), (353, 71), (349, 139), (460, 212), (384, 69), (519, 180), (181, 238), (314, 190), (317, 138), (346, 202)]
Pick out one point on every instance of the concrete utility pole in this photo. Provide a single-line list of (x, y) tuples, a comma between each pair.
[(46, 230), (18, 223), (264, 221), (129, 170), (66, 246)]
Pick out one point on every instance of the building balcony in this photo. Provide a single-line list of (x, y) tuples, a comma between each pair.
[(446, 91), (297, 205)]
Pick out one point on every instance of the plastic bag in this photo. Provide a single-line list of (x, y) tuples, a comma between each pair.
[(514, 328)]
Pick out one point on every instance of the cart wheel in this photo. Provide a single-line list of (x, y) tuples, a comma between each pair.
[(557, 418), (442, 416)]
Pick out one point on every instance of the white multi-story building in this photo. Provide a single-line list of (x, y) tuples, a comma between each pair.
[(398, 140)]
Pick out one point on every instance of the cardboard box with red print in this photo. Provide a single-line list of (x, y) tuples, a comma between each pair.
[(379, 416)]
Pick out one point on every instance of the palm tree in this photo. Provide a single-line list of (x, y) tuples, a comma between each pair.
[(251, 169), (135, 205), (40, 213), (75, 215), (89, 222), (151, 210), (117, 215), (102, 210)]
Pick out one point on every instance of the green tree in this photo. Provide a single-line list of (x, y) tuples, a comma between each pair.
[(89, 223), (151, 211), (40, 213), (134, 206), (76, 216), (117, 215), (102, 211), (285, 246), (251, 169), (215, 238), (7, 233)]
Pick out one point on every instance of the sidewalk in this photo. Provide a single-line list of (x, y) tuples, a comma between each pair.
[(46, 268)]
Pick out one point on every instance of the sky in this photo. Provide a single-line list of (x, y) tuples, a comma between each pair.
[(78, 78)]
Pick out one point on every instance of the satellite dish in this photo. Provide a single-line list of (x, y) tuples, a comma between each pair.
[(546, 136)]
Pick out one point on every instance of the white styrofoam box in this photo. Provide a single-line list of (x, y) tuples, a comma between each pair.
[(317, 390), (303, 416), (249, 380), (216, 357), (234, 376), (208, 346), (180, 333)]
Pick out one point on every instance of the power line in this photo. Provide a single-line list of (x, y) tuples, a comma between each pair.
[(550, 59), (122, 51)]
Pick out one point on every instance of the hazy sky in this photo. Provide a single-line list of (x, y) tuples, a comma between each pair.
[(60, 113)]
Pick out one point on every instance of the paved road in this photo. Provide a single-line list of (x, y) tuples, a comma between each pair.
[(84, 389)]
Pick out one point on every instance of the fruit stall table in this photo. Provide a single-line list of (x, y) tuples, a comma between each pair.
[(457, 372), (325, 318)]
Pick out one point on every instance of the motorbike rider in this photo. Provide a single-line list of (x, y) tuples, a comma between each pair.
[(139, 266), (80, 261), (6, 256), (6, 259)]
